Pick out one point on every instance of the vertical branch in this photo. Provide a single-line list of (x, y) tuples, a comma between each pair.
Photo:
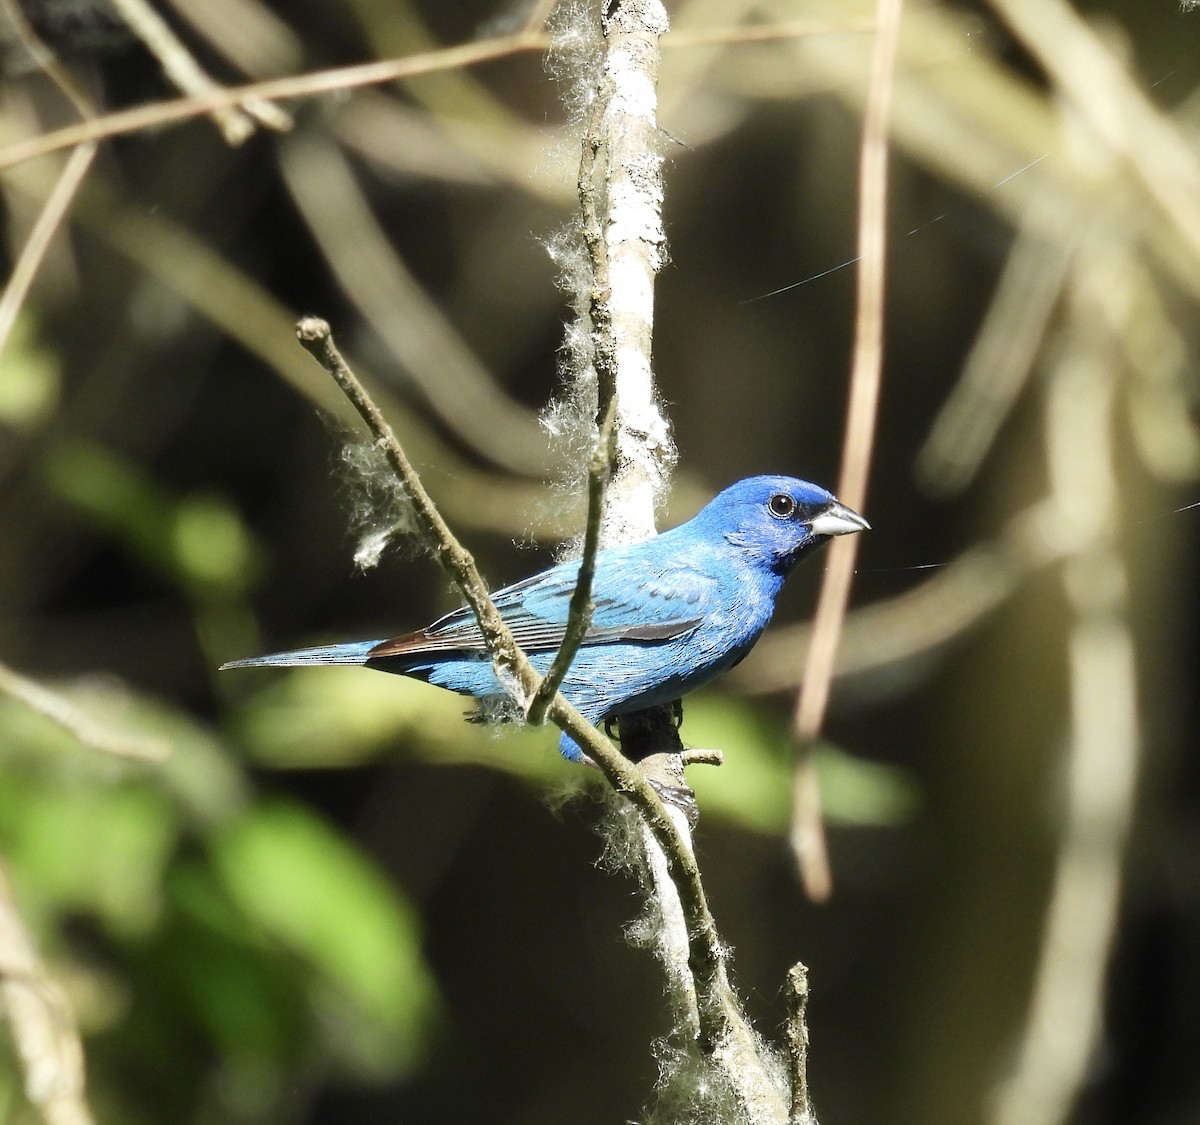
[(620, 198), (579, 613), (621, 194), (620, 203), (808, 832), (1066, 1008), (33, 253)]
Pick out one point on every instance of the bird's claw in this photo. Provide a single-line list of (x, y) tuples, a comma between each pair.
[(680, 797)]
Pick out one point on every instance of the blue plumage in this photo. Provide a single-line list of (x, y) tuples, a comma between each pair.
[(670, 612)]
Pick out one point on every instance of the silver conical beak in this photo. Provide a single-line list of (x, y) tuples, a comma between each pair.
[(837, 519)]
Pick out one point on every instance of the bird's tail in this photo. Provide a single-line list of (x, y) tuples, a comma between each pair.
[(353, 652)]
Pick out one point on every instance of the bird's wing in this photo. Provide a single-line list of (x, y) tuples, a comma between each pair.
[(628, 605)]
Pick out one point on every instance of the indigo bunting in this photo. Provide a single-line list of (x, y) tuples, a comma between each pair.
[(670, 612)]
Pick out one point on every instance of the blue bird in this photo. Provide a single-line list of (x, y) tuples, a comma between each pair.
[(671, 612)]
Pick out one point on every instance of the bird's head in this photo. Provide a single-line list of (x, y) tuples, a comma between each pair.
[(776, 519)]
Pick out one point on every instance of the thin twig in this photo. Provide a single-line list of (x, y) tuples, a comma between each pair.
[(393, 301), (797, 1044), (245, 32), (58, 202), (236, 122), (292, 86), (45, 60), (320, 82), (49, 219), (579, 612), (808, 833), (603, 463)]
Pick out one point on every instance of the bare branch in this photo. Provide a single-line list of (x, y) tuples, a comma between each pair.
[(723, 1030), (54, 210), (797, 1043), (1104, 748), (236, 122), (320, 82), (422, 338), (274, 89)]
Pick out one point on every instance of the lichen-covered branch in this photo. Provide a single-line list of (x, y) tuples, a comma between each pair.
[(724, 1035), (621, 194)]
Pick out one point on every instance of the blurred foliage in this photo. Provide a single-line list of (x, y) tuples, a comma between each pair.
[(28, 380), (302, 914), (259, 929)]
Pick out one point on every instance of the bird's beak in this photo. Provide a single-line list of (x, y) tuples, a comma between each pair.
[(837, 519)]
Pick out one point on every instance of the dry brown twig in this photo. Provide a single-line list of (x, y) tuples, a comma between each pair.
[(808, 833), (58, 201), (236, 121), (376, 73)]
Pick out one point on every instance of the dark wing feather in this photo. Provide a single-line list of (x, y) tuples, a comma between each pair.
[(536, 610)]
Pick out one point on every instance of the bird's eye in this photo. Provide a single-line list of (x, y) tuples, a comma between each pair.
[(781, 506)]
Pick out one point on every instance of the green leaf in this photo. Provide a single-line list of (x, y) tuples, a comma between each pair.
[(211, 545), (29, 379), (77, 846), (197, 541), (318, 897)]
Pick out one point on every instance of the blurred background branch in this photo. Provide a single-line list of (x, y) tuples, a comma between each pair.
[(41, 1023)]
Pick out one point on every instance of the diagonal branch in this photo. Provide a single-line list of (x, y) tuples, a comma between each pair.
[(77, 722), (236, 122)]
